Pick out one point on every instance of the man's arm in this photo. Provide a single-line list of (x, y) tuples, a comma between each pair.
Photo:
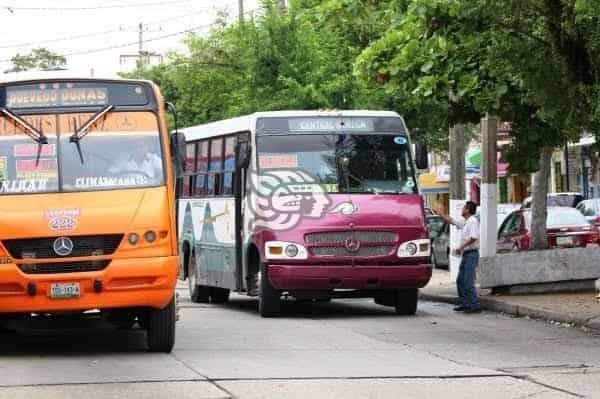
[(452, 221), (461, 248)]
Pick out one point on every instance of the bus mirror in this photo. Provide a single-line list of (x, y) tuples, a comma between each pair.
[(243, 153), (178, 147), (421, 156)]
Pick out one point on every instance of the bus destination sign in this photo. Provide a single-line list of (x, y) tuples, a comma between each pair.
[(331, 124), (55, 97)]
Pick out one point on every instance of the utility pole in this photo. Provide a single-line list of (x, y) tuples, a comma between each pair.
[(489, 178), (241, 10), (141, 37), (143, 57), (457, 189)]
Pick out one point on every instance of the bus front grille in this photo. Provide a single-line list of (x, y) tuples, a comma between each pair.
[(379, 250), (43, 248), (66, 267), (339, 237)]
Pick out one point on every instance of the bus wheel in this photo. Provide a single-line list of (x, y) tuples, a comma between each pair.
[(219, 295), (161, 328), (198, 293), (269, 299), (406, 301)]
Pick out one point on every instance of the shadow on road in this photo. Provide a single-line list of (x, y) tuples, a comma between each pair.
[(336, 309), (72, 343)]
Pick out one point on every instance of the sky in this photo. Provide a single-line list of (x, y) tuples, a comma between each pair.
[(93, 34)]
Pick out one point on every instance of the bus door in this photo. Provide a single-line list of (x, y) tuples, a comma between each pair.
[(243, 155)]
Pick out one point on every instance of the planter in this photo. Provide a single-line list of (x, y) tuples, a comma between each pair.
[(573, 269)]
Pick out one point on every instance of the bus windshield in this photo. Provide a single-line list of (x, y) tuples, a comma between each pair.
[(344, 163), (122, 151)]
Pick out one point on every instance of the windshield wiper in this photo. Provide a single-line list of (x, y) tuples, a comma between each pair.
[(36, 135), (84, 130)]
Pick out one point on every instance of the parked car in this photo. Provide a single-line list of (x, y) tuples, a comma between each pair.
[(429, 212), (439, 233), (590, 209), (566, 228), (503, 211), (558, 199)]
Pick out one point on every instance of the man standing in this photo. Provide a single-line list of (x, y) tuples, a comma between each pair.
[(469, 250)]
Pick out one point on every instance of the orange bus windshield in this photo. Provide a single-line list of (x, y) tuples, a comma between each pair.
[(121, 150)]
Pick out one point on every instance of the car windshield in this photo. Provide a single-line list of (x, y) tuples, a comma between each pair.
[(122, 151), (561, 217), (373, 163), (564, 200)]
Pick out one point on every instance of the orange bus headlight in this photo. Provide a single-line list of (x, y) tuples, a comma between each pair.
[(150, 236), (133, 238)]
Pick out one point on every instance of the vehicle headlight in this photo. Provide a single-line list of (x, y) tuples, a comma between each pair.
[(150, 236), (415, 248), (291, 250), (284, 250), (411, 249), (133, 238)]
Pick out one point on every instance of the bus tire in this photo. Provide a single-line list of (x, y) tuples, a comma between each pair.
[(406, 301), (269, 299), (219, 295), (198, 293), (161, 328)]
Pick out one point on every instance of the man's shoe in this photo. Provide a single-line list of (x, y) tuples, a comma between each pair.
[(460, 308), (472, 310)]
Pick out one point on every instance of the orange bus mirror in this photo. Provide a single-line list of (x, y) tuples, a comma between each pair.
[(178, 148)]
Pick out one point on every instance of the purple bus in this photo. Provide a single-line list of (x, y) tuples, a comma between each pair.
[(310, 205)]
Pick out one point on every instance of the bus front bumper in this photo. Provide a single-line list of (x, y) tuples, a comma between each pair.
[(124, 283), (299, 277)]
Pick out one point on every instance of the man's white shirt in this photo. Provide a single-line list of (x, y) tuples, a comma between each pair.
[(468, 230)]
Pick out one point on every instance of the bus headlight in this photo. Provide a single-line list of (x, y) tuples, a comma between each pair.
[(291, 250), (284, 250), (414, 249), (150, 236), (133, 238)]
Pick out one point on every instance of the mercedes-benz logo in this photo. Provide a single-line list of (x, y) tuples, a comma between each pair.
[(352, 244), (63, 246)]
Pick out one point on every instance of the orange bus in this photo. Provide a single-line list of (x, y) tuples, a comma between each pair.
[(87, 205)]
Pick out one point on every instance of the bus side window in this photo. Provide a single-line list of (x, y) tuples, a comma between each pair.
[(200, 186), (215, 167), (188, 170), (229, 166)]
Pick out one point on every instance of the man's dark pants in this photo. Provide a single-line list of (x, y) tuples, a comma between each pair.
[(465, 281)]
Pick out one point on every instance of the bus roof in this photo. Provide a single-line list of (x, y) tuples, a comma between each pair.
[(247, 122), (34, 77)]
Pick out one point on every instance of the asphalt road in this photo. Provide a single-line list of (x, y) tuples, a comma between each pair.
[(343, 349)]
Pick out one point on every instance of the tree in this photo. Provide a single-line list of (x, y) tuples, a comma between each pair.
[(40, 59), (536, 65), (292, 60)]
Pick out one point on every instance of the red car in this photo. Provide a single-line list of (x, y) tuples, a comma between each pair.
[(565, 227)]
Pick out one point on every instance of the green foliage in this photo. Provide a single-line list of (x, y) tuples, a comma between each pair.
[(437, 62), (39, 58), (298, 60)]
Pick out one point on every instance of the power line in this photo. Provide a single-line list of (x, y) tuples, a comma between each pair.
[(12, 9), (136, 43), (93, 34), (130, 44)]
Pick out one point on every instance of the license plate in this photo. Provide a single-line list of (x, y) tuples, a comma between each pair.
[(564, 241), (64, 290)]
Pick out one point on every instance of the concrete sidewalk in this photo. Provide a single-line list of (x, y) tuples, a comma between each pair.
[(579, 309)]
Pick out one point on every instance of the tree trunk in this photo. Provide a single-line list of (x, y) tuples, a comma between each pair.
[(539, 211)]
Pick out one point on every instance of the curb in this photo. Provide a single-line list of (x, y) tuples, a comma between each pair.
[(495, 305)]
